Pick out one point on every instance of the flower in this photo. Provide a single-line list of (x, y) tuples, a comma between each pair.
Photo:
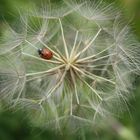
[(90, 76)]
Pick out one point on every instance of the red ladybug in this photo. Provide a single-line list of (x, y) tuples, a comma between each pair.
[(45, 53)]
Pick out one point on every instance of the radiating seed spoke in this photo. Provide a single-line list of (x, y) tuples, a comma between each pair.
[(19, 93), (62, 57), (90, 87), (75, 87), (129, 57), (6, 88), (97, 59), (92, 76), (96, 108), (82, 119), (40, 76), (88, 45), (64, 41), (92, 66), (31, 44), (47, 71), (38, 58), (74, 45), (53, 89), (95, 55)]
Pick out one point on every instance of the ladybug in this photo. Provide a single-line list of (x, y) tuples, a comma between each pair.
[(45, 53)]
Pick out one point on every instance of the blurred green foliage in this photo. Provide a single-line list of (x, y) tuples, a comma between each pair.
[(14, 126)]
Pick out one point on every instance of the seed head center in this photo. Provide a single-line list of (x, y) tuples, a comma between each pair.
[(69, 64)]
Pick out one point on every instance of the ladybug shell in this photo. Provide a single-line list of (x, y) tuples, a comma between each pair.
[(45, 53)]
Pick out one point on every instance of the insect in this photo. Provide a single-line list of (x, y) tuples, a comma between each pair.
[(45, 53)]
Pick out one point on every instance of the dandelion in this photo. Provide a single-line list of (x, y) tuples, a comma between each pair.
[(89, 75)]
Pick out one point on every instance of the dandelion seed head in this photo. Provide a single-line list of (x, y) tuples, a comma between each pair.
[(90, 75)]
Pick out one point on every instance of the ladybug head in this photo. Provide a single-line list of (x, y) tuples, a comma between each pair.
[(39, 51)]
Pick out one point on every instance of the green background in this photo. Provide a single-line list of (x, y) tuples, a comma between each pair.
[(15, 126)]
